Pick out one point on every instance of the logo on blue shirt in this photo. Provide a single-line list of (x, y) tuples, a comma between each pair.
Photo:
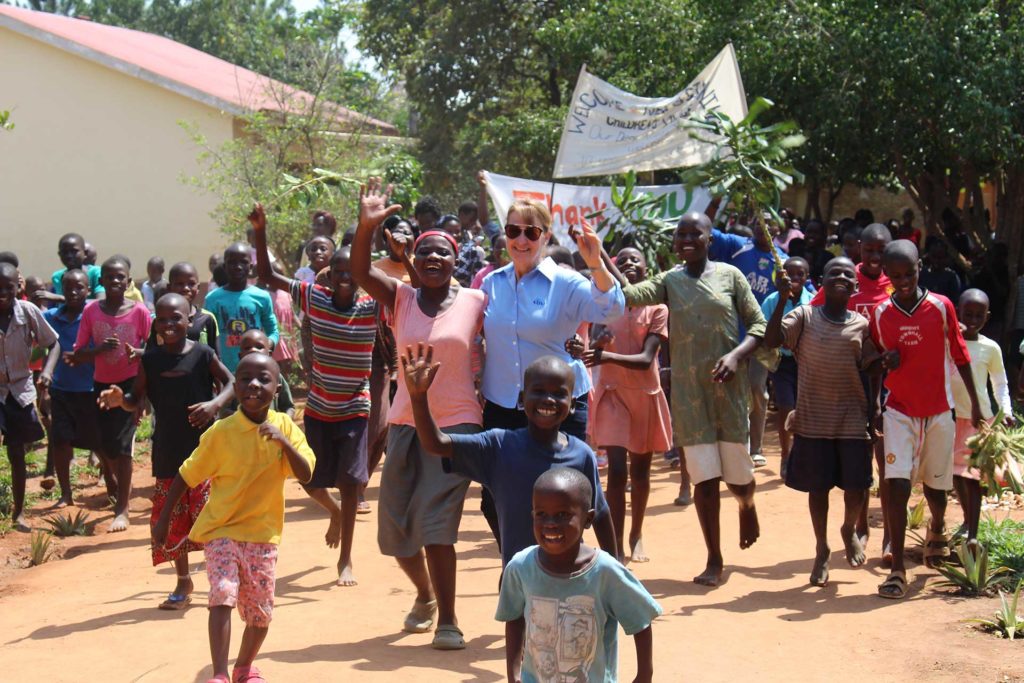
[(538, 302)]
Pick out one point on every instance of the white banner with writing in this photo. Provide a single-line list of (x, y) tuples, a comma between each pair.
[(571, 203), (610, 131)]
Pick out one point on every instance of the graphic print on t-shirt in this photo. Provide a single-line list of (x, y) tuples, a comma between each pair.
[(562, 638), (125, 332), (239, 322)]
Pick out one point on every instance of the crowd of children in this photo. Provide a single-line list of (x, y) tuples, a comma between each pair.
[(883, 363)]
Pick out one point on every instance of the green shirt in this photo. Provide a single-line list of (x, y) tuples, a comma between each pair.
[(93, 273), (704, 324)]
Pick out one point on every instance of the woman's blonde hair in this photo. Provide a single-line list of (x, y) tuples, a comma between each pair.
[(533, 211)]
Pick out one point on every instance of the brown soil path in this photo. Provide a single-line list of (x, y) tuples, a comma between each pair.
[(93, 616)]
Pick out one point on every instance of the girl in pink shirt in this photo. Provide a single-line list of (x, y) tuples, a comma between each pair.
[(111, 335)]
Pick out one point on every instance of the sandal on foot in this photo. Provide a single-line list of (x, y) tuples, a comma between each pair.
[(421, 617), (363, 508), (894, 587), (936, 549), (176, 601), (448, 637), (247, 674), (759, 460)]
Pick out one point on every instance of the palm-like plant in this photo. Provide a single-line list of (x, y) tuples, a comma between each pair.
[(973, 577), (1006, 622), (749, 164)]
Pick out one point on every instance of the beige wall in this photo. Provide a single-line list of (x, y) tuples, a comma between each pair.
[(884, 204), (101, 153)]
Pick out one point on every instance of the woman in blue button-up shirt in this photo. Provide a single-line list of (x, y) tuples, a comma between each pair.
[(533, 306)]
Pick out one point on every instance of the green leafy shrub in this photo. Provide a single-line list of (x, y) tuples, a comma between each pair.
[(1005, 543)]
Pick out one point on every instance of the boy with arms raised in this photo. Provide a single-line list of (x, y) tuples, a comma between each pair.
[(986, 364), (831, 446), (508, 461), (343, 323), (919, 336), (246, 457), (563, 601)]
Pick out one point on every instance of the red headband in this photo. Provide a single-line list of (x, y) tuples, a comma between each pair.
[(437, 233)]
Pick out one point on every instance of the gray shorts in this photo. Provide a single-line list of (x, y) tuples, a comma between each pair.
[(420, 504)]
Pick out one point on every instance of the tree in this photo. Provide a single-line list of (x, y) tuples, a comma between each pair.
[(296, 162)]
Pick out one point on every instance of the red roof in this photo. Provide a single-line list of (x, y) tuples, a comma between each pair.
[(171, 65)]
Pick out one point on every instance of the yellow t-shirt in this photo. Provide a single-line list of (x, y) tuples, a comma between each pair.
[(133, 293), (246, 474)]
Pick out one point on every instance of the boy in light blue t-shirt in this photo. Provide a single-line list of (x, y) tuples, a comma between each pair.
[(563, 601), (239, 307)]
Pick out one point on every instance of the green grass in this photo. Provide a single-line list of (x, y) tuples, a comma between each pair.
[(1004, 540)]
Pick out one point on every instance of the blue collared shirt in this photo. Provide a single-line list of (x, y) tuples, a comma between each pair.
[(533, 317)]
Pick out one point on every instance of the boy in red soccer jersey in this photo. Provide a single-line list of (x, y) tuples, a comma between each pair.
[(920, 337)]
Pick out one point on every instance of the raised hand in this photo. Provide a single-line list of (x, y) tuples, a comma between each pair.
[(373, 203), (419, 368), (258, 218), (481, 178), (783, 284), (589, 245), (111, 398)]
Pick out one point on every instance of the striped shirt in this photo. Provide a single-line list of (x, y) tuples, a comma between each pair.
[(830, 400), (342, 351)]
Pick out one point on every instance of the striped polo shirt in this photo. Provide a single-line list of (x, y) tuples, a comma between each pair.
[(342, 352)]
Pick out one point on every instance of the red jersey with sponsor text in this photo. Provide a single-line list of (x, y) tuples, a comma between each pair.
[(869, 294), (930, 345)]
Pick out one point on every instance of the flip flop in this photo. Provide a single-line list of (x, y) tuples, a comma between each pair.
[(448, 637), (176, 602), (894, 587), (247, 674), (421, 617), (936, 549)]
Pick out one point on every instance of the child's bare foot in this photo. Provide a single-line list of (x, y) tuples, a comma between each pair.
[(120, 523), (819, 573), (333, 535), (636, 550), (345, 575), (21, 523), (750, 529), (711, 576), (854, 548), (62, 503), (886, 556)]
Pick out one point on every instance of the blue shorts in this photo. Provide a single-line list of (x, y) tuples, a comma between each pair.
[(784, 383)]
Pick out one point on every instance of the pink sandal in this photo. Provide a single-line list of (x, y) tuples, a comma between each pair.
[(247, 674)]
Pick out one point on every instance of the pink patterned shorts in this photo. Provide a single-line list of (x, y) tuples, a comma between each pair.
[(242, 574)]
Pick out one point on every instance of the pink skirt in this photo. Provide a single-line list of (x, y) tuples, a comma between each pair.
[(961, 453), (632, 419)]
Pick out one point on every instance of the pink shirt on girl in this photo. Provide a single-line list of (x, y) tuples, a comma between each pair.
[(132, 327), (453, 335)]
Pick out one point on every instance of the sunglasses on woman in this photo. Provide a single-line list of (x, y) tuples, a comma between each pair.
[(533, 233)]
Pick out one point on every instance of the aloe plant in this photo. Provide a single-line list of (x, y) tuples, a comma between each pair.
[(1006, 622), (974, 576), (915, 515), (41, 548), (66, 525)]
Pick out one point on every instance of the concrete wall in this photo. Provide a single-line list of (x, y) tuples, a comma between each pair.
[(884, 204), (99, 152)]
